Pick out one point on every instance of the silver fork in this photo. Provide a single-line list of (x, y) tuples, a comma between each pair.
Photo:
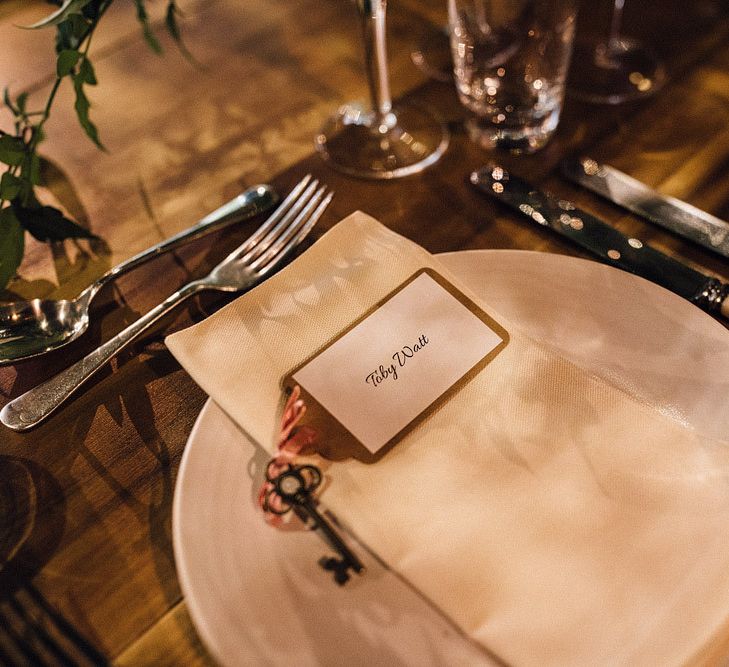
[(244, 267)]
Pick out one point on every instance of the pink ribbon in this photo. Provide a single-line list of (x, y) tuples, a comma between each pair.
[(291, 441)]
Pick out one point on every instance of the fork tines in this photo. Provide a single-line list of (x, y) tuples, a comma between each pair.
[(287, 226)]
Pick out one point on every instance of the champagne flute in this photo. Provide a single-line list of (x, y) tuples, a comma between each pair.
[(616, 70), (380, 141)]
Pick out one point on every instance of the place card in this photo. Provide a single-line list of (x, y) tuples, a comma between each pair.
[(395, 364)]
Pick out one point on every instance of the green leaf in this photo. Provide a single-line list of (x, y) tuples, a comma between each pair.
[(47, 223), (171, 20), (12, 150), (12, 245), (173, 11), (31, 168), (61, 14), (86, 72), (8, 102), (82, 107), (10, 186), (39, 134), (66, 61), (71, 32), (22, 101), (146, 27)]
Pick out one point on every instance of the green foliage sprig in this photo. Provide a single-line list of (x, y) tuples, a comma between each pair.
[(75, 22)]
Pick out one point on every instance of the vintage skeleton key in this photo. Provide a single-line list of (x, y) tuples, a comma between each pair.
[(293, 487)]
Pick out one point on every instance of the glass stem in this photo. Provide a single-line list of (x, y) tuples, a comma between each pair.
[(372, 15), (615, 24)]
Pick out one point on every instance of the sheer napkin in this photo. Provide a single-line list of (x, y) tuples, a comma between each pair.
[(554, 518)]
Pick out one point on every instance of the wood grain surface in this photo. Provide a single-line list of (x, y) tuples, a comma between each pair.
[(86, 562)]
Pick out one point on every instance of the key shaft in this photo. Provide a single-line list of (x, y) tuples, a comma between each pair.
[(307, 504)]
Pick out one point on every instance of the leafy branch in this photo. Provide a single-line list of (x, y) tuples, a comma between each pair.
[(75, 22)]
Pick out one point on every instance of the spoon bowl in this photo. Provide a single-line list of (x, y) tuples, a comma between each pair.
[(31, 328)]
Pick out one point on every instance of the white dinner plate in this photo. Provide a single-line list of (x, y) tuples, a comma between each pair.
[(258, 596)]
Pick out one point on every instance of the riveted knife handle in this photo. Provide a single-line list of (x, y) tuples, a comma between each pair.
[(603, 240)]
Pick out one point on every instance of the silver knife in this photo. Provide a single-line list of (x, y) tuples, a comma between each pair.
[(605, 241), (673, 214)]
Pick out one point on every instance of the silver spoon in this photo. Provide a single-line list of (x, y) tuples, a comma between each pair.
[(31, 328)]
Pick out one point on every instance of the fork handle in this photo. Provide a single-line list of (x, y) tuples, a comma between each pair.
[(35, 405), (253, 201)]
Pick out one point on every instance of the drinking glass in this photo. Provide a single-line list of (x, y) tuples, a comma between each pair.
[(510, 60), (615, 70), (380, 140)]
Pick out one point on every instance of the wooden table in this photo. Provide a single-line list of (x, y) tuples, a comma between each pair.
[(86, 562)]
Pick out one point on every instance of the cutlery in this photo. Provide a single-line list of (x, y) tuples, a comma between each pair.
[(673, 214), (605, 241), (31, 328), (247, 265)]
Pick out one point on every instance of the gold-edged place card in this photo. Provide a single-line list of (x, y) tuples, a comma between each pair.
[(393, 366)]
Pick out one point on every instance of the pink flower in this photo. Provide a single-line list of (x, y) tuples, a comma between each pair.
[(292, 440)]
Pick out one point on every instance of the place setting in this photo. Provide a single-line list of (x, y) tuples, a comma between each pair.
[(211, 498), (463, 399), (382, 590)]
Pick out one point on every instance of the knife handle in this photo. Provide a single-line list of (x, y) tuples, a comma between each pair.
[(603, 240), (714, 297)]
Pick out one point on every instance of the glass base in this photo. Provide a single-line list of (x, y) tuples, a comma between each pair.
[(411, 139), (433, 56), (612, 73), (518, 140)]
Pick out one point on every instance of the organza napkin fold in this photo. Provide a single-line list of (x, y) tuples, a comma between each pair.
[(554, 518)]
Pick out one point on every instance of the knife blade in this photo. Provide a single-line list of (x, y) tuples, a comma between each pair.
[(668, 212), (611, 245)]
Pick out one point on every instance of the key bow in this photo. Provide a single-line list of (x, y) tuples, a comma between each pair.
[(291, 486)]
